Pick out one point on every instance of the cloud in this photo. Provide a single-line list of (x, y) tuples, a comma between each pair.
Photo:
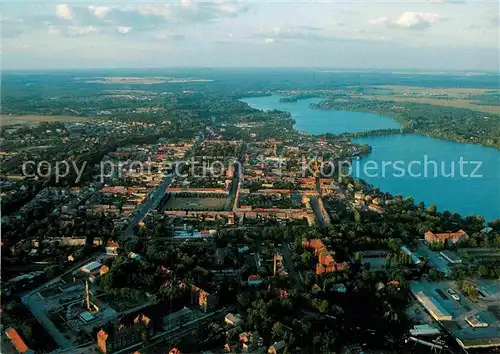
[(304, 33), (78, 31), (64, 11), (99, 11), (72, 31), (408, 20), (378, 21), (449, 1), (117, 19), (495, 20), (123, 29), (416, 20)]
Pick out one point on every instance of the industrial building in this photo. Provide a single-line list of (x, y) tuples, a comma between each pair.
[(433, 307)]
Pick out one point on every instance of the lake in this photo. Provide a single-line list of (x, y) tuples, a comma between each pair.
[(415, 165), (323, 120)]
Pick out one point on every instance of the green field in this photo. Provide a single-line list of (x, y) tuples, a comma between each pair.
[(195, 203)]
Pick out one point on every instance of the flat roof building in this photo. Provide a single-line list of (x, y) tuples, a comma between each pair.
[(475, 322), (17, 341), (92, 267), (451, 257), (424, 330)]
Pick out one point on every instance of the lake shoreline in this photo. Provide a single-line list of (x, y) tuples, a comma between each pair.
[(478, 198)]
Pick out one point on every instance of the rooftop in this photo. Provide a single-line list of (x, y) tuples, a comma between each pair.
[(16, 339)]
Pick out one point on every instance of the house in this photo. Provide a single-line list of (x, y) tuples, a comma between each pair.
[(112, 248), (232, 320), (277, 347), (174, 351), (448, 237), (250, 341), (17, 341), (359, 195), (315, 289), (376, 208), (104, 269), (202, 298)]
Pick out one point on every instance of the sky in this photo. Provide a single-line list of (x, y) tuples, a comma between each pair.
[(369, 34)]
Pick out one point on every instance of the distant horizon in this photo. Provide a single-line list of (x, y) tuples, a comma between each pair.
[(394, 70)]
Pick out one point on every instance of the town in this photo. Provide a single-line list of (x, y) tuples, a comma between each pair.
[(180, 222)]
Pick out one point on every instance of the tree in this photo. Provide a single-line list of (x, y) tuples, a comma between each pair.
[(320, 305), (306, 258), (277, 331), (53, 270), (483, 271), (432, 209)]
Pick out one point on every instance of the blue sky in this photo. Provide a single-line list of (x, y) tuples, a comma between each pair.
[(425, 34)]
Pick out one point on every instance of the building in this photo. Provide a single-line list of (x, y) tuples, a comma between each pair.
[(254, 280), (250, 341), (91, 268), (424, 330), (451, 257), (86, 316), (17, 341), (376, 208), (433, 307), (232, 320), (178, 318), (202, 298), (475, 322), (326, 262), (415, 257), (448, 237), (103, 270), (277, 347), (112, 248), (122, 336)]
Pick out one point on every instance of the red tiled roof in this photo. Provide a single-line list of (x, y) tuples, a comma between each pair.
[(112, 244)]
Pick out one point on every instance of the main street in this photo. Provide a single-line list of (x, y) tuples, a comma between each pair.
[(151, 202)]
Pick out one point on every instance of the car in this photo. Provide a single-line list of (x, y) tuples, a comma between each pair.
[(453, 294)]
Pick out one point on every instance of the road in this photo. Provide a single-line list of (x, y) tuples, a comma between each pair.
[(288, 263), (317, 212), (152, 201)]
